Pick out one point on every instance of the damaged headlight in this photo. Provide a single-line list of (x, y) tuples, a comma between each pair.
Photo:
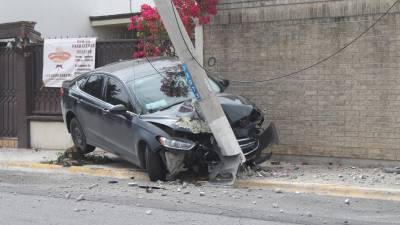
[(176, 144)]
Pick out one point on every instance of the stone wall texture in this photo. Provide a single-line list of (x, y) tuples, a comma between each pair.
[(348, 106)]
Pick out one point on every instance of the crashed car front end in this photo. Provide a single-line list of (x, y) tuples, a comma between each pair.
[(191, 145)]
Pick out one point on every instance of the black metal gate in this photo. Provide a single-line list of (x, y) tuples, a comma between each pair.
[(8, 99)]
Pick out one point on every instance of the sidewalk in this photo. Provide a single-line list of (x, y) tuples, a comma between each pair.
[(333, 180), (38, 161)]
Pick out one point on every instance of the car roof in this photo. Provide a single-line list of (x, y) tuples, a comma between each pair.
[(128, 70)]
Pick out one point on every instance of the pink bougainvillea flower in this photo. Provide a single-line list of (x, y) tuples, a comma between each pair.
[(148, 24)]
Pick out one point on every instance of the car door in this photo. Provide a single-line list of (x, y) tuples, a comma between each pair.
[(91, 107), (118, 130)]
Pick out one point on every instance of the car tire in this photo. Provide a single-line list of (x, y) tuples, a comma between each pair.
[(79, 138), (155, 166)]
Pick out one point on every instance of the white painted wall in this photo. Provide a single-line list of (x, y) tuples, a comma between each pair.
[(57, 18), (49, 135)]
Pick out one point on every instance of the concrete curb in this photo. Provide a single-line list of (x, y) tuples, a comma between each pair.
[(125, 173), (101, 171)]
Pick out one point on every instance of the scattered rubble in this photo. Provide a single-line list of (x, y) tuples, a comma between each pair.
[(73, 156), (132, 184), (68, 196), (113, 182), (151, 187), (395, 170), (149, 190), (275, 163), (325, 174), (194, 125), (79, 210), (148, 212), (80, 198), (347, 201), (93, 186), (202, 193)]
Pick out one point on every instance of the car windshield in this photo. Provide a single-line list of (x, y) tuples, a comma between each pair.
[(156, 92)]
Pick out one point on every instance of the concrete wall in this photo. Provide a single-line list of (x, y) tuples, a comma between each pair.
[(348, 106), (49, 135), (57, 18)]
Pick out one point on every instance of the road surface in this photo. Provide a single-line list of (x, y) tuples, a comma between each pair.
[(51, 198)]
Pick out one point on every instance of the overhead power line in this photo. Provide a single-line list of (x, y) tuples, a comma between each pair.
[(303, 69)]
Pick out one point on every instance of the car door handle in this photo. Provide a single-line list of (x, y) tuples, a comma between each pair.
[(105, 111)]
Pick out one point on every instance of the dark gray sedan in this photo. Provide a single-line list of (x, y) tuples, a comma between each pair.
[(144, 112)]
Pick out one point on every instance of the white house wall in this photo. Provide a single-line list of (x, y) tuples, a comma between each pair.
[(57, 18)]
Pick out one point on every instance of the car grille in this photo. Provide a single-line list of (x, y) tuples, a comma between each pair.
[(248, 145)]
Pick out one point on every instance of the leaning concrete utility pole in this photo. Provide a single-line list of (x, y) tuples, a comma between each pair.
[(229, 150)]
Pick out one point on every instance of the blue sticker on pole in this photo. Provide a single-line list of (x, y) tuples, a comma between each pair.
[(190, 82)]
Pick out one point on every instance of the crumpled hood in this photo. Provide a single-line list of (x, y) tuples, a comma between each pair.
[(235, 108)]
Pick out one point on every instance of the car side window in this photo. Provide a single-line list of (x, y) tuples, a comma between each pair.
[(116, 94), (94, 86)]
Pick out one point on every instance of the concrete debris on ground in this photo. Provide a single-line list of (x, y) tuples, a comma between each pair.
[(79, 210), (395, 170), (73, 156), (299, 172), (323, 174), (68, 196), (80, 198), (93, 186), (132, 184)]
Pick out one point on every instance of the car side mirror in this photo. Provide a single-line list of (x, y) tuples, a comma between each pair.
[(118, 109), (121, 110)]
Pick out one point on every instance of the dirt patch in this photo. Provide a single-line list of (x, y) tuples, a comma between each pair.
[(74, 157)]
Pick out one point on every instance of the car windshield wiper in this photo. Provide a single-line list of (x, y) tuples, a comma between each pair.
[(167, 107)]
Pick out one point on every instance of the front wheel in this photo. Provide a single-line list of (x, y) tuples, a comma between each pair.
[(155, 166), (79, 138)]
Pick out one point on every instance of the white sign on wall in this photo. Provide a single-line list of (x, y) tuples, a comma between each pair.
[(64, 59)]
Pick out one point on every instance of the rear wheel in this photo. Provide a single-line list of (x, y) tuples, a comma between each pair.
[(79, 138), (155, 166)]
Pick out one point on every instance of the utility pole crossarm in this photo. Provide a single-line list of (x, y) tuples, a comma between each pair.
[(230, 152)]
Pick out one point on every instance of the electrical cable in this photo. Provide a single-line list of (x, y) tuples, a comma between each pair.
[(152, 65), (298, 71)]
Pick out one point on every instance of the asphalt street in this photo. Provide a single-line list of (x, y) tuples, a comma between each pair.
[(51, 198)]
